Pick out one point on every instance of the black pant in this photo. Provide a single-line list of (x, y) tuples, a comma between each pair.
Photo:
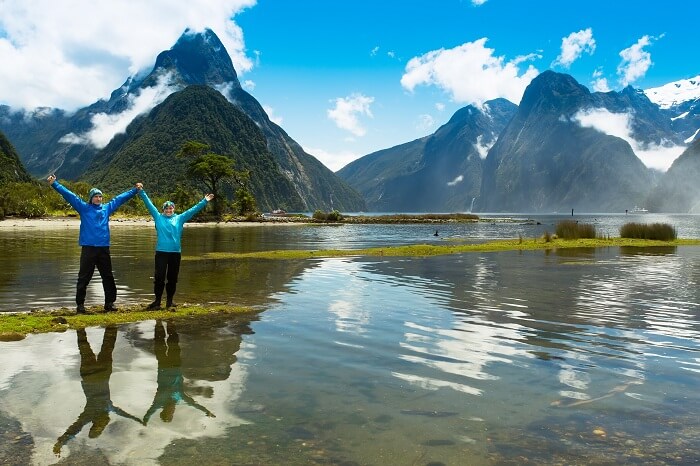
[(167, 267), (91, 257)]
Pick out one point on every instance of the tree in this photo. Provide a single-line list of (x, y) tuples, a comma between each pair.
[(212, 170)]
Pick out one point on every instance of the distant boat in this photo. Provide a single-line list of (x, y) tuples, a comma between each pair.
[(639, 210), (279, 213)]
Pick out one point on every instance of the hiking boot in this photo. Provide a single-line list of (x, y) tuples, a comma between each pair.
[(154, 306), (80, 309), (109, 307), (170, 305)]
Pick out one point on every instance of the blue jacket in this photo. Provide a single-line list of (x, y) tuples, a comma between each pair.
[(94, 219), (169, 229)]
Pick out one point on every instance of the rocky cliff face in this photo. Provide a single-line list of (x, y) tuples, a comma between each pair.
[(438, 173), (546, 161), (678, 190)]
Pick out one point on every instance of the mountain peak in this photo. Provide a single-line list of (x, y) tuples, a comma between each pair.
[(197, 58), (552, 91), (675, 93)]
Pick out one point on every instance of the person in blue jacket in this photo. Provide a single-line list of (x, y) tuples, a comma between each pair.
[(169, 227), (94, 239)]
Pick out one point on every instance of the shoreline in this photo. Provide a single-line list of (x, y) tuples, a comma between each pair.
[(55, 223)]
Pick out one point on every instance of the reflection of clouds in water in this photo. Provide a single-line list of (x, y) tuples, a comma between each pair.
[(634, 301), (36, 353), (40, 396), (656, 290), (347, 304), (427, 383), (572, 376), (463, 351)]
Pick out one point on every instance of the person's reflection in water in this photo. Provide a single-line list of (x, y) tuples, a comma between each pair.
[(95, 372), (171, 383)]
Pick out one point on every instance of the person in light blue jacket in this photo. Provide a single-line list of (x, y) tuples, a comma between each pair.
[(169, 227), (94, 239)]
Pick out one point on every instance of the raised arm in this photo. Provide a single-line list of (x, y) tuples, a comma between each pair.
[(149, 205), (74, 201), (117, 202), (192, 211)]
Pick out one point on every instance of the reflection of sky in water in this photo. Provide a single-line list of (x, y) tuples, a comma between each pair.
[(42, 389), (497, 337), (627, 303)]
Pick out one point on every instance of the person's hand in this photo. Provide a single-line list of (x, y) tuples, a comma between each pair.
[(139, 186), (209, 197), (51, 179)]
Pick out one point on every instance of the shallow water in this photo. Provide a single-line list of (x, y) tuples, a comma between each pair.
[(577, 357)]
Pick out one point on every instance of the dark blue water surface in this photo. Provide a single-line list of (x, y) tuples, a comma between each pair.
[(568, 357)]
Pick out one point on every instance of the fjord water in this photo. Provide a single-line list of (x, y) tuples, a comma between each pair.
[(563, 357)]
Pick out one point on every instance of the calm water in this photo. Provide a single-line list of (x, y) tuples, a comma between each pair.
[(576, 357)]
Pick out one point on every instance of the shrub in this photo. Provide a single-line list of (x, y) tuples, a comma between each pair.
[(570, 229), (547, 237), (333, 216), (655, 231)]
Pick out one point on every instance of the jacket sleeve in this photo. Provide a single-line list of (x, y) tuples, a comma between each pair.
[(115, 203), (149, 205), (75, 202), (192, 211)]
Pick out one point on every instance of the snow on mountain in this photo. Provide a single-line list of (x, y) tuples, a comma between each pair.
[(675, 93)]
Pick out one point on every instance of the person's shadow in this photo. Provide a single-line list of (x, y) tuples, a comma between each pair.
[(95, 372), (171, 383)]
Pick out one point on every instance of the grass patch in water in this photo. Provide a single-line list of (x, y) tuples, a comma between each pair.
[(14, 326), (423, 250)]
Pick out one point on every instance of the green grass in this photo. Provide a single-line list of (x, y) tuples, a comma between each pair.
[(14, 326), (654, 231), (423, 250), (570, 229)]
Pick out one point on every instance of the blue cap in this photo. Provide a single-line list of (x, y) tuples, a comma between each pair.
[(168, 203)]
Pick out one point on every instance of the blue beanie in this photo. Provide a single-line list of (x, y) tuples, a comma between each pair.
[(93, 192), (167, 203)]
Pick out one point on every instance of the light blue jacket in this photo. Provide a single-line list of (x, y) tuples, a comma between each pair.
[(169, 229), (94, 219)]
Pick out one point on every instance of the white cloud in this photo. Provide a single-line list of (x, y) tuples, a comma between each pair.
[(599, 83), (635, 61), (346, 111), (374, 51), (73, 62), (248, 85), (659, 157), (483, 148), (456, 181), (333, 160), (271, 115), (425, 123), (470, 73), (574, 45), (106, 126), (440, 107), (478, 2)]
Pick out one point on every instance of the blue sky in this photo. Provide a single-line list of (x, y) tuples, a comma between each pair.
[(347, 78)]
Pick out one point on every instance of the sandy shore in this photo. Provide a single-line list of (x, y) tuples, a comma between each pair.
[(58, 223)]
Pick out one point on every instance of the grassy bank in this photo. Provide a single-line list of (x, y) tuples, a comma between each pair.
[(424, 250), (14, 326)]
